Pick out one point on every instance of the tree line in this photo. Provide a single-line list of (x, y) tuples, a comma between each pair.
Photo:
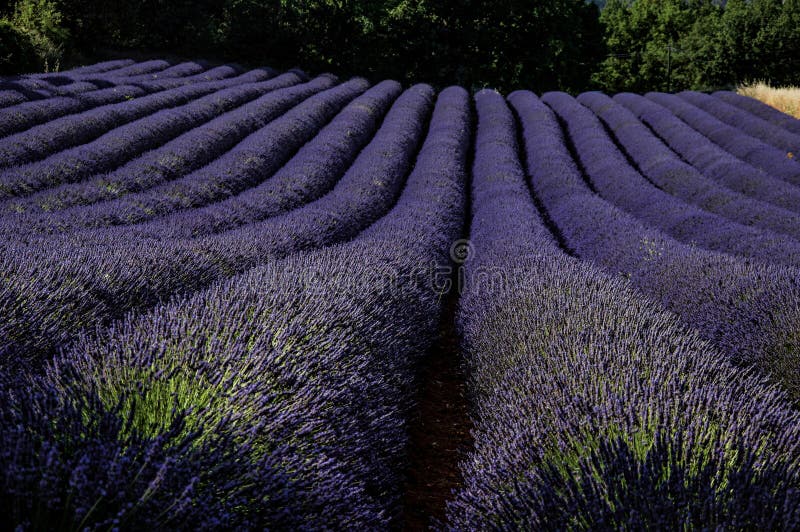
[(572, 45)]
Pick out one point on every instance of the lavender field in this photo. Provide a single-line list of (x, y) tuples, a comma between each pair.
[(219, 288)]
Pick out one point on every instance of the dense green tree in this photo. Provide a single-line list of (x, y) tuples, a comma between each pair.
[(699, 44), (659, 45)]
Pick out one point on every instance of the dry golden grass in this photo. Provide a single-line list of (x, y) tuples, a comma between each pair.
[(786, 99)]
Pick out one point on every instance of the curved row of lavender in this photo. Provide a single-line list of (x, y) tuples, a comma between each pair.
[(753, 125), (709, 158), (84, 279), (748, 310), (667, 171), (286, 118), (752, 150), (215, 294), (199, 146), (28, 114), (122, 143), (761, 110), (126, 104), (592, 404), (617, 181), (301, 374)]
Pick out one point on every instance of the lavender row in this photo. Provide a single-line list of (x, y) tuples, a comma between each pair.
[(761, 110), (175, 76), (311, 173), (103, 66), (619, 183), (124, 105), (215, 74), (293, 383), (125, 142), (31, 89), (25, 115), (747, 122), (181, 70), (10, 97), (668, 172), (136, 69), (595, 414), (759, 154), (95, 276), (249, 162), (176, 158), (581, 387), (28, 114), (748, 311), (709, 158)]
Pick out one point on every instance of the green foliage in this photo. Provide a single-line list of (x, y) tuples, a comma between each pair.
[(635, 45), (40, 22), (699, 44), (660, 45), (17, 53)]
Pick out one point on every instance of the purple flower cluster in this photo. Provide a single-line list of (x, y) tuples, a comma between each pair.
[(217, 291), (761, 110), (592, 404), (751, 124), (617, 181), (95, 276), (97, 68), (713, 161), (10, 97), (307, 176), (667, 171), (754, 151), (253, 159), (585, 416)]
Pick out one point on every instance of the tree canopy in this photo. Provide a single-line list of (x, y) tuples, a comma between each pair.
[(572, 45)]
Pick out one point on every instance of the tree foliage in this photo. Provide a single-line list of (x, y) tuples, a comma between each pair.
[(633, 45), (699, 44)]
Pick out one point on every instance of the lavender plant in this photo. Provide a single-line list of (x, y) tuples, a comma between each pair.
[(761, 110), (751, 124)]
